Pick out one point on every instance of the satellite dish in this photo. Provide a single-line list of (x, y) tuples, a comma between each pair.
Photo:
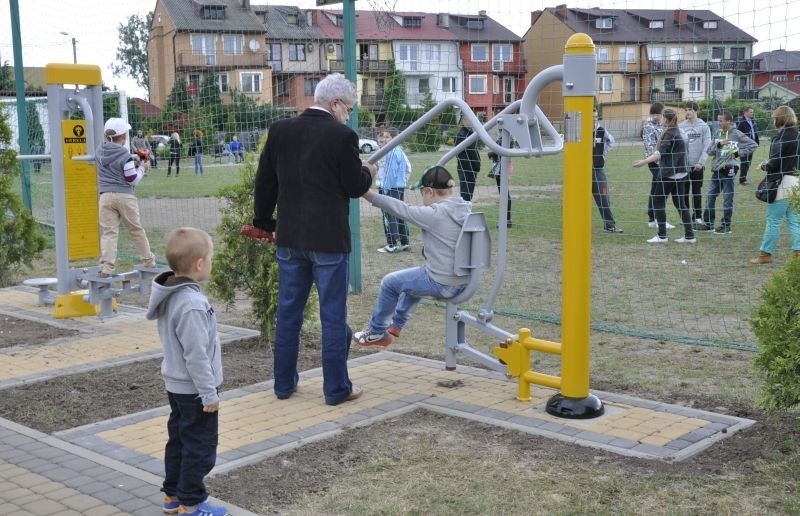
[(254, 45), (331, 48)]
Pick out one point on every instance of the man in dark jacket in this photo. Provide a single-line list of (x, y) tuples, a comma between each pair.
[(747, 126), (469, 161), (310, 169)]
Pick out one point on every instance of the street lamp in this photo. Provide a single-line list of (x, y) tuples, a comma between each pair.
[(74, 51)]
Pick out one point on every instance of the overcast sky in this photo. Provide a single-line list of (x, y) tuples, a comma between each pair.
[(93, 23)]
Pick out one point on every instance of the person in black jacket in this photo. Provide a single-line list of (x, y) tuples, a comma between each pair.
[(671, 179), (469, 161), (309, 170), (782, 163), (748, 126), (174, 154)]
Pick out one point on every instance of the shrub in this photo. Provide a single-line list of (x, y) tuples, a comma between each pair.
[(241, 263), (776, 324), (20, 239)]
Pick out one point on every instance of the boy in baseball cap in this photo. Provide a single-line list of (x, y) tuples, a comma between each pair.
[(441, 217), (117, 175)]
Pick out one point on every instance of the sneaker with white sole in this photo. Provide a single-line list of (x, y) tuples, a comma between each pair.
[(723, 230), (170, 505), (684, 240), (388, 249), (204, 509), (698, 220), (403, 247), (371, 338), (657, 240), (654, 224)]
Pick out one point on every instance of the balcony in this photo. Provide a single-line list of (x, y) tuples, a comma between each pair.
[(372, 101), (677, 65), (362, 66), (702, 65), (617, 66), (734, 65), (666, 96), (745, 94), (188, 61)]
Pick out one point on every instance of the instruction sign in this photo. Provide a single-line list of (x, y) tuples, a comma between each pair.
[(80, 193)]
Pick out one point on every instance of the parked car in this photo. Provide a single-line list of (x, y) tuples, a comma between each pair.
[(367, 145), (159, 140)]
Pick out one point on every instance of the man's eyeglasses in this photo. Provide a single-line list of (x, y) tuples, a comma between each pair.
[(348, 108)]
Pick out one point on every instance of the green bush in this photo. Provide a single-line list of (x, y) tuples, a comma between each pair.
[(20, 239), (242, 263), (776, 324)]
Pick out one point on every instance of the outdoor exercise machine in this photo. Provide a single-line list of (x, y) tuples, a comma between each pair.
[(80, 291), (523, 122)]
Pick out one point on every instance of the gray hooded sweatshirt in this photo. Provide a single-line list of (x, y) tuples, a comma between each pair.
[(111, 161), (698, 137), (187, 327), (728, 155), (441, 224)]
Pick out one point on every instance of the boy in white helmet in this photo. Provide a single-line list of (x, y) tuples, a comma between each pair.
[(117, 175)]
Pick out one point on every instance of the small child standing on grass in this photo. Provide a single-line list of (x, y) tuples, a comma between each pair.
[(192, 371), (441, 218)]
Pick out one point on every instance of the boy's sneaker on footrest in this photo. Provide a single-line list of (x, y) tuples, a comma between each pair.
[(394, 331), (369, 338)]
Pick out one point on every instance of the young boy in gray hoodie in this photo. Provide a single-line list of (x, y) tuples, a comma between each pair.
[(728, 145), (441, 218), (192, 371), (697, 136)]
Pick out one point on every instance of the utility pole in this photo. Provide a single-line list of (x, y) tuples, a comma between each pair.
[(74, 48)]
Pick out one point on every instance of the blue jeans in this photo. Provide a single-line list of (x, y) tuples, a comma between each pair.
[(719, 183), (395, 229), (297, 271), (198, 164), (776, 211), (191, 449), (400, 293)]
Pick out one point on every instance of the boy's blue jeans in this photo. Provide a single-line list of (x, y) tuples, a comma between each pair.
[(400, 293), (719, 183), (297, 271), (191, 450)]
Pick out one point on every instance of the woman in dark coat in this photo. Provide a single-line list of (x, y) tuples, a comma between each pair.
[(469, 161)]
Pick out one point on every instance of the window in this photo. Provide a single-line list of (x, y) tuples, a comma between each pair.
[(502, 53), (309, 86), (780, 77), (676, 53), (602, 54), (409, 54), (222, 81), (477, 84), (696, 83), (448, 84), (424, 85), (292, 19), (797, 77), (273, 56), (380, 86), (205, 44), (251, 82), (656, 24), (282, 87), (717, 53), (656, 53), (627, 55), (737, 53), (297, 52), (193, 84), (432, 52), (475, 24), (709, 24), (232, 45), (495, 85), (480, 52), (669, 83), (339, 20), (604, 23), (213, 12), (412, 22), (605, 83), (718, 83)]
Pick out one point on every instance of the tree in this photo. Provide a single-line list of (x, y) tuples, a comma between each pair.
[(6, 77), (131, 59), (20, 239)]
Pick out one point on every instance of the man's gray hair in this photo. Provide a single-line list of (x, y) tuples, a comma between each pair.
[(335, 86)]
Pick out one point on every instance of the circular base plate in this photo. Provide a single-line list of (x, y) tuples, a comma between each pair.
[(575, 408)]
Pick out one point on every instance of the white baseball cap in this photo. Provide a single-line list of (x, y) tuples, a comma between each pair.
[(118, 126)]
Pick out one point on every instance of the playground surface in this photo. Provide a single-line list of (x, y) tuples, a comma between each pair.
[(114, 466)]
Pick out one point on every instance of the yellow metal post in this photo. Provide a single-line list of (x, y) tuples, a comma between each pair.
[(574, 400)]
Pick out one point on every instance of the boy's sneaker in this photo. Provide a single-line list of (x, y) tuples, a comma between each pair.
[(702, 226), (404, 247), (394, 331), (657, 240), (370, 338), (723, 230), (204, 509), (698, 220), (171, 505), (388, 249), (654, 224), (684, 240)]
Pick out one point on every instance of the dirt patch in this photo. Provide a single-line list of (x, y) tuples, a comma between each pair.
[(15, 331)]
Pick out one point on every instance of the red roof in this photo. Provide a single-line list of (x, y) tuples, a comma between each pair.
[(147, 109), (380, 26)]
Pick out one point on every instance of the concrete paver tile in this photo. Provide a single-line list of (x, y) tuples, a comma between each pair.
[(44, 507)]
